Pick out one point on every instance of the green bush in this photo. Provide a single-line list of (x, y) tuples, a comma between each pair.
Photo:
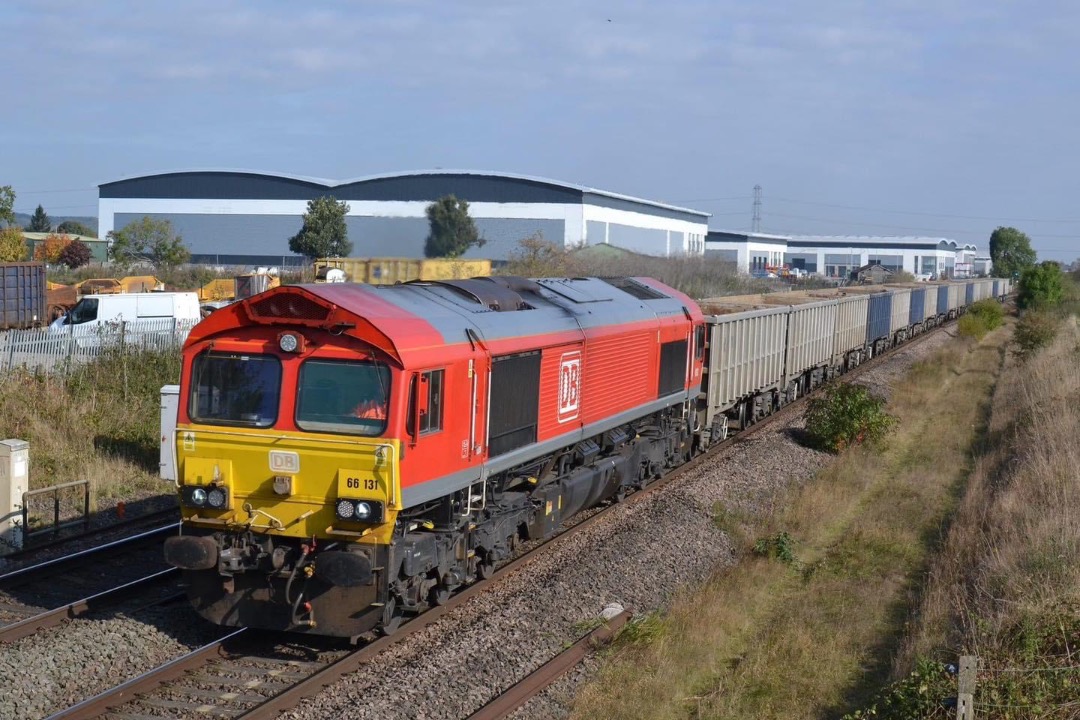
[(845, 415), (990, 311), (1036, 330), (1041, 286), (972, 326)]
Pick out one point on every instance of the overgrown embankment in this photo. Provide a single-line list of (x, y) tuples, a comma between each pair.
[(98, 422), (809, 625), (1006, 586)]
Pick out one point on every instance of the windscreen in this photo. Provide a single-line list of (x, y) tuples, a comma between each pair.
[(349, 397), (236, 389), (84, 311)]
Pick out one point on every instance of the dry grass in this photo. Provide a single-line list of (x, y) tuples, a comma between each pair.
[(768, 640), (99, 423), (1007, 585)]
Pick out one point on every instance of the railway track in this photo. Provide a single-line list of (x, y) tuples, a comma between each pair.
[(257, 676), (47, 594), (108, 533)]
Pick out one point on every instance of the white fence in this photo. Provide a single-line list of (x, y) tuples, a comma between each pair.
[(44, 349)]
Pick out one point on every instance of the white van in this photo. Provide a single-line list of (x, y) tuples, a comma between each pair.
[(96, 310)]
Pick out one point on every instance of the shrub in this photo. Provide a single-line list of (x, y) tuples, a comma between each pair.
[(972, 326), (847, 414), (1036, 330), (990, 311), (74, 254), (1041, 286)]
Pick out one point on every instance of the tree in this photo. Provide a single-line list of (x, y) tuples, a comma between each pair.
[(12, 245), (150, 240), (74, 227), (452, 231), (1011, 252), (49, 249), (75, 254), (324, 233), (40, 221), (7, 204), (1041, 286)]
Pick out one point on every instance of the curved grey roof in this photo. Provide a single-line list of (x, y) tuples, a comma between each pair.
[(426, 185)]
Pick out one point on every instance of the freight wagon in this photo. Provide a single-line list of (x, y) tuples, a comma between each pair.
[(22, 295)]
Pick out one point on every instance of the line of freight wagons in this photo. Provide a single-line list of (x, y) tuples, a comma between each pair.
[(766, 350)]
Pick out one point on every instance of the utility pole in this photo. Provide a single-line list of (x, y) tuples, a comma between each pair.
[(755, 225)]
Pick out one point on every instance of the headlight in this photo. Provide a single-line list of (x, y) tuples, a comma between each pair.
[(369, 511), (216, 498)]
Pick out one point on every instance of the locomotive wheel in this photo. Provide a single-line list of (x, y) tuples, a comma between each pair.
[(485, 570), (440, 595), (391, 617)]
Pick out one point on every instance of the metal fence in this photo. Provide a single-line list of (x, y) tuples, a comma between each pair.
[(47, 350)]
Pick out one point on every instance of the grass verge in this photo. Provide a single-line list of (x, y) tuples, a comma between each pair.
[(814, 634), (99, 422)]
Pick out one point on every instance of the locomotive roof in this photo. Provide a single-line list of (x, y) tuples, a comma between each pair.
[(406, 318)]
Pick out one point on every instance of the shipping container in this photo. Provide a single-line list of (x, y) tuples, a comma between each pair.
[(955, 295), (918, 305), (811, 329), (746, 355), (879, 317), (900, 316), (851, 315), (387, 271), (22, 295), (930, 304)]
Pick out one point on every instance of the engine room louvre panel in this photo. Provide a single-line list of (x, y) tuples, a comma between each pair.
[(672, 367), (515, 402)]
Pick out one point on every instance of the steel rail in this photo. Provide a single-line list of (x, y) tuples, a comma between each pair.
[(542, 677), (79, 608), (18, 578), (135, 521), (101, 703)]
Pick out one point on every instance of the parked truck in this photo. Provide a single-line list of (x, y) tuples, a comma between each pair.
[(22, 295)]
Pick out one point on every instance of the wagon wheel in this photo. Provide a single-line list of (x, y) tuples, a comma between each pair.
[(391, 617), (440, 595)]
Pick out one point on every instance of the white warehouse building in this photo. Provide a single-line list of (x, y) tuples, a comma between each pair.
[(232, 217), (838, 255)]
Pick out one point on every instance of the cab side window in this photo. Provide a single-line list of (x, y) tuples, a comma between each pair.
[(431, 401)]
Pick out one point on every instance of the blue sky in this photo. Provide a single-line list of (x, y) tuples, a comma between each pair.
[(886, 117)]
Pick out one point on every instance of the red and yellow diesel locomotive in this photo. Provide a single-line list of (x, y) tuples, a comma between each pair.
[(348, 454)]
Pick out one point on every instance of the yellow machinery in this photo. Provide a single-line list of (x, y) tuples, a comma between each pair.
[(387, 271), (238, 287)]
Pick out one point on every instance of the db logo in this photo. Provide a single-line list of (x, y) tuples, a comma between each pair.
[(569, 386), (284, 462)]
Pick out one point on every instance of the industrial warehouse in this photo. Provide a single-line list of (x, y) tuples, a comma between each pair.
[(837, 256), (247, 218)]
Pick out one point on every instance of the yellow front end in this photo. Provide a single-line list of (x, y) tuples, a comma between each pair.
[(286, 530)]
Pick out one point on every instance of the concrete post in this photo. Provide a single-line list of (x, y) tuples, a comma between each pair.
[(14, 481)]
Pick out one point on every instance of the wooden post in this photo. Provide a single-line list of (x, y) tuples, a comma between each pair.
[(965, 688)]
